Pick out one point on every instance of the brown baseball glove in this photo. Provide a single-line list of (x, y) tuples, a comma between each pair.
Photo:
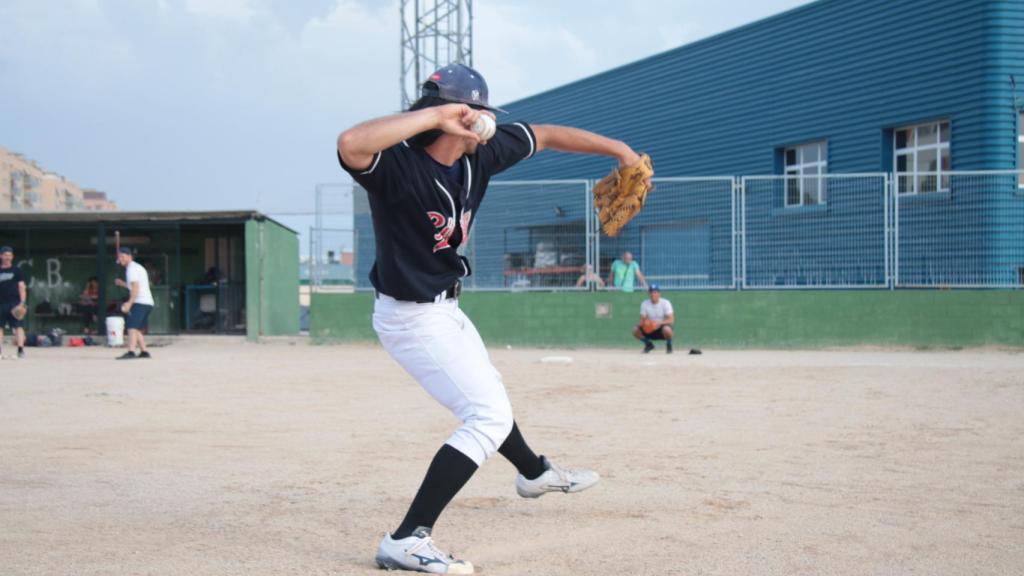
[(620, 195), (648, 326), (19, 312)]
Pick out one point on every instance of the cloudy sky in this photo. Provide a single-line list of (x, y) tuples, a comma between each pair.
[(219, 104)]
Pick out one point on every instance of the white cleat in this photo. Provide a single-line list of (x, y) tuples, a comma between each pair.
[(556, 479), (418, 554)]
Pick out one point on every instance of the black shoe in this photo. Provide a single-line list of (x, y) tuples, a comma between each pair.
[(695, 352), (648, 347), (144, 354), (21, 353), (668, 350), (127, 356)]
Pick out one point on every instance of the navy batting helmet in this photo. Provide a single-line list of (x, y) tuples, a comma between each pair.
[(458, 83)]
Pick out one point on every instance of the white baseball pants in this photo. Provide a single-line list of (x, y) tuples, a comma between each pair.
[(438, 345)]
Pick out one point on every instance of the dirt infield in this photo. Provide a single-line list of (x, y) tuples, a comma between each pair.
[(220, 457)]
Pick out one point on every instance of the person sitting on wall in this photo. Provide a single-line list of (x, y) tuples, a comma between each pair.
[(88, 303), (590, 276), (625, 272)]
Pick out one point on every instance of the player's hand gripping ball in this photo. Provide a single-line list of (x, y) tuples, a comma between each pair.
[(485, 127)]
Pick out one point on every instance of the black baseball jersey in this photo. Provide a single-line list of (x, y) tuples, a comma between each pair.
[(9, 279), (422, 210)]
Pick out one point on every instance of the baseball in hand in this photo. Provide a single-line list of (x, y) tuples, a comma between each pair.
[(485, 127)]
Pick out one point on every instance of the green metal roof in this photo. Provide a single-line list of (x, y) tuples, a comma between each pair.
[(89, 217)]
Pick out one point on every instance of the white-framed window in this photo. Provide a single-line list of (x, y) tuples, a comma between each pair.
[(1020, 151), (921, 158), (805, 166)]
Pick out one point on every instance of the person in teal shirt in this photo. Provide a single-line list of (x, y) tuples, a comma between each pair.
[(625, 272)]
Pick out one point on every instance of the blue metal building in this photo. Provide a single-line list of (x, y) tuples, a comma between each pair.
[(917, 88), (845, 72)]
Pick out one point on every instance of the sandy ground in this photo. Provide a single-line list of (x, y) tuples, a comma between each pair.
[(221, 457)]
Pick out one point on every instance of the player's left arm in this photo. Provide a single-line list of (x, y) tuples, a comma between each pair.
[(669, 319), (578, 141), (22, 292), (640, 277)]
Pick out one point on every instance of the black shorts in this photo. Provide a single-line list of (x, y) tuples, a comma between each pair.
[(657, 334), (7, 320), (138, 317)]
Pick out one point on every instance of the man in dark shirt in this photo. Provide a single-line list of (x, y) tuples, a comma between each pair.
[(13, 293), (426, 172)]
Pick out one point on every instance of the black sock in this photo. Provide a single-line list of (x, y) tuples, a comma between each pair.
[(516, 451), (448, 473), (647, 342), (21, 348), (668, 343)]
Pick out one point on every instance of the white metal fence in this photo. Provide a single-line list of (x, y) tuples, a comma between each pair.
[(684, 238), (531, 235), (966, 233), (821, 231), (830, 231), (332, 238)]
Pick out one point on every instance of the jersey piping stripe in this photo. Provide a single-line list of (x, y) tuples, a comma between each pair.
[(450, 200), (528, 137), (462, 213), (376, 160)]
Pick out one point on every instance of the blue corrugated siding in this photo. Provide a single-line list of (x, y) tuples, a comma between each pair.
[(838, 70), (1006, 38), (843, 71)]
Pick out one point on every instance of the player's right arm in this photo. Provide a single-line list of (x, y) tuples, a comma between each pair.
[(358, 145)]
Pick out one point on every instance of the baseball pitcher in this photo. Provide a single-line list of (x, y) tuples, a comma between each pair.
[(426, 172)]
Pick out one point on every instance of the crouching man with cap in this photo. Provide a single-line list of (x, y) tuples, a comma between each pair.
[(656, 317)]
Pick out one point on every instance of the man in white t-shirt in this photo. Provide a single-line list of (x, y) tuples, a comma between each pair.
[(656, 317), (140, 303)]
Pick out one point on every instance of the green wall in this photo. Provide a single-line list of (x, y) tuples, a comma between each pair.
[(728, 319), (272, 279)]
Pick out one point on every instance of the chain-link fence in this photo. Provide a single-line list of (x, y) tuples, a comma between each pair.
[(827, 231), (531, 236), (332, 238), (820, 231), (684, 238), (966, 231)]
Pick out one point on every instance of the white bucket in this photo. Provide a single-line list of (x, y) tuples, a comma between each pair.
[(115, 331)]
